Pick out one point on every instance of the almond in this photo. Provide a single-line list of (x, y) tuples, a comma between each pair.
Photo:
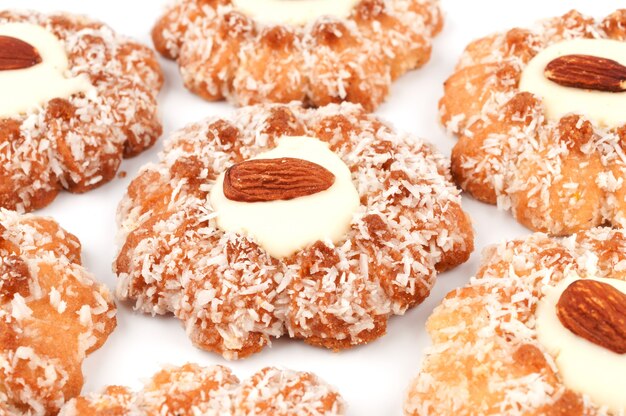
[(262, 180), (17, 54), (587, 72), (595, 311)]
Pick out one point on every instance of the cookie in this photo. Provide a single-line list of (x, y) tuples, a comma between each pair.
[(193, 390), (540, 330), (539, 133), (52, 315), (77, 98), (314, 51), (278, 220)]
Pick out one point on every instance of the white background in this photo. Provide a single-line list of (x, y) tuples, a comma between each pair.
[(372, 378)]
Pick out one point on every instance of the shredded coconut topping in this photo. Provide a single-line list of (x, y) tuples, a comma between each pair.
[(193, 390)]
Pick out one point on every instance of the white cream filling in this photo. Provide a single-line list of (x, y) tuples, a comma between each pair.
[(29, 88), (604, 108), (294, 12), (585, 367), (284, 227)]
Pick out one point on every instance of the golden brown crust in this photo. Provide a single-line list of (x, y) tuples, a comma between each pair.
[(78, 143), (52, 314), (614, 25), (555, 176), (191, 390), (232, 296), (485, 357), (225, 54)]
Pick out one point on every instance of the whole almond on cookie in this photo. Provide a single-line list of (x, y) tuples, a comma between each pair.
[(595, 311), (17, 54), (262, 180), (587, 72)]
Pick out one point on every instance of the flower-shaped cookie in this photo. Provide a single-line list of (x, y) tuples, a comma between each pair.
[(540, 121), (375, 218), (76, 98), (541, 330), (193, 390), (52, 314), (314, 51)]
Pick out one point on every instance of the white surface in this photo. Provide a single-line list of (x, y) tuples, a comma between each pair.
[(604, 107), (283, 227), (372, 378), (586, 367)]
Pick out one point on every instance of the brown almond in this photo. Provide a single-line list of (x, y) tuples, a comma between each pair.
[(17, 54), (587, 72), (262, 180), (595, 311)]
